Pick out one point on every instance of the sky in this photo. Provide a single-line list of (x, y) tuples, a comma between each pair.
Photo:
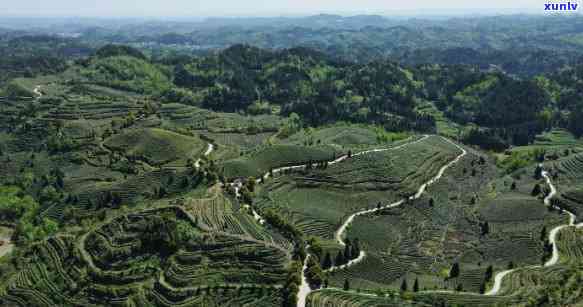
[(205, 8)]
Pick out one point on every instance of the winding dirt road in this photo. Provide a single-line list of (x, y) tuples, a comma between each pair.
[(552, 239), (208, 151), (340, 159), (499, 277), (340, 232), (7, 244), (37, 91), (305, 290)]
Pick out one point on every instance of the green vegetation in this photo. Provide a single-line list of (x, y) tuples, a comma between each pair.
[(156, 146), (265, 159), (318, 200), (122, 260), (126, 73), (23, 212), (467, 223), (132, 175)]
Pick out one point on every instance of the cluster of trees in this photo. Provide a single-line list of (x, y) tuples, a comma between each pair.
[(292, 284), (23, 210), (293, 279), (566, 87), (503, 110), (405, 286), (314, 273), (559, 289), (28, 56), (119, 50), (521, 62), (301, 81), (317, 89), (287, 229), (350, 252)]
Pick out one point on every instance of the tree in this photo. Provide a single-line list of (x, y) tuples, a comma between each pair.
[(404, 285), (416, 285), (485, 227), (339, 260), (316, 247), (513, 186), (49, 227), (347, 251), (292, 125), (482, 288), (162, 192), (489, 273), (576, 120), (59, 182), (251, 184), (543, 234), (455, 270), (547, 250), (536, 190), (355, 252), (346, 285), (538, 172), (327, 261), (49, 195), (314, 273)]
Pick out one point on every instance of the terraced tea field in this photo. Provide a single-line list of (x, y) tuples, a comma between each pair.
[(181, 115), (156, 146), (332, 298), (568, 173), (162, 256), (140, 180), (264, 159), (423, 238), (340, 136), (319, 200)]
